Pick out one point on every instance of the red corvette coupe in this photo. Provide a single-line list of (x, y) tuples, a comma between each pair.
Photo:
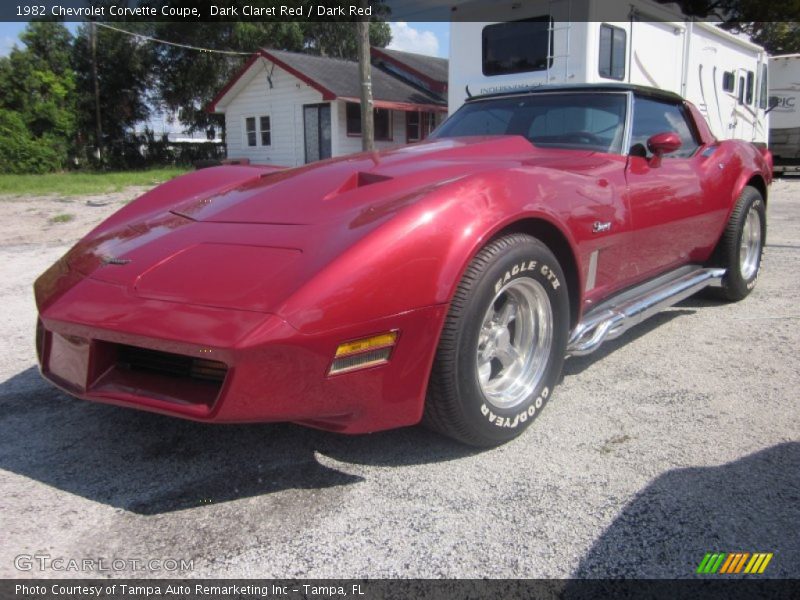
[(444, 281)]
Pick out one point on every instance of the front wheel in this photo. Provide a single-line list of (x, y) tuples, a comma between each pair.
[(502, 346), (742, 244)]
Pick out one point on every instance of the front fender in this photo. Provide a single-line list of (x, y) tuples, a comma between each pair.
[(416, 258)]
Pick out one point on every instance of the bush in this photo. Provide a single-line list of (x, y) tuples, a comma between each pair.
[(146, 150), (22, 153)]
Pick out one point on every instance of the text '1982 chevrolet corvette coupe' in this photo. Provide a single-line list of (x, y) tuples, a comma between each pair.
[(442, 282)]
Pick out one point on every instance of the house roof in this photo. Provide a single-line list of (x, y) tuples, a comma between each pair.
[(431, 69), (339, 79)]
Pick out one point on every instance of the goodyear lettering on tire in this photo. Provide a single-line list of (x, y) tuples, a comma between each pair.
[(522, 417)]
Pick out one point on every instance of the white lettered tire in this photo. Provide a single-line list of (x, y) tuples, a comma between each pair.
[(503, 344)]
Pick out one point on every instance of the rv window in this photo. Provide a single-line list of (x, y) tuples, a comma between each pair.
[(741, 90), (651, 117), (751, 80), (762, 94), (518, 46), (728, 81), (612, 52)]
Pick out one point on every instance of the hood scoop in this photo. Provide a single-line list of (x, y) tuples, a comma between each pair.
[(357, 180)]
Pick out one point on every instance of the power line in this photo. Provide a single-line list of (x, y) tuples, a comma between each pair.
[(148, 38)]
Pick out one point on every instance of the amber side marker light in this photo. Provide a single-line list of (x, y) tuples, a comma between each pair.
[(363, 353)]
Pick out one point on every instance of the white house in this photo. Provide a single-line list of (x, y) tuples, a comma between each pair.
[(287, 108)]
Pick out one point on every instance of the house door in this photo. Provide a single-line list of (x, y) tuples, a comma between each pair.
[(317, 131)]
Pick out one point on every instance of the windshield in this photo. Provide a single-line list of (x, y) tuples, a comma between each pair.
[(581, 121)]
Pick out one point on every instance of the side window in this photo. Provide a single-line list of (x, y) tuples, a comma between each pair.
[(518, 46), (651, 117), (741, 90), (762, 94), (728, 81), (250, 130), (612, 52), (751, 84), (266, 132)]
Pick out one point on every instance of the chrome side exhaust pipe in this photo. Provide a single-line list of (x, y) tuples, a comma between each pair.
[(614, 317)]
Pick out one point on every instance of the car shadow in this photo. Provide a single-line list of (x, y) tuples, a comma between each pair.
[(150, 464), (577, 364), (749, 505)]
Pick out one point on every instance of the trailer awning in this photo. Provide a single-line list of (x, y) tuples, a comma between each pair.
[(404, 106)]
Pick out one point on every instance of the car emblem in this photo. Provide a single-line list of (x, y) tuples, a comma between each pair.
[(600, 227), (112, 260)]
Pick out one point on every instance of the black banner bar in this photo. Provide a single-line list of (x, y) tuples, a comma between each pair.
[(729, 588), (388, 10)]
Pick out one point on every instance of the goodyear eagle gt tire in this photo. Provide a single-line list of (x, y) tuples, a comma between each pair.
[(502, 346)]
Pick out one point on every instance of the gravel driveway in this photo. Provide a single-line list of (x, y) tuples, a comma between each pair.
[(680, 438)]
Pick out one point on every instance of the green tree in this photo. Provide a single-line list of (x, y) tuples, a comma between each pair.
[(187, 80), (125, 77), (339, 40), (774, 25), (37, 91)]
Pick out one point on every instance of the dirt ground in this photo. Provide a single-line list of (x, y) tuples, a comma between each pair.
[(679, 438), (55, 220)]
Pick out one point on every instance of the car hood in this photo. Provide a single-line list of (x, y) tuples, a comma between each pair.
[(251, 245), (324, 191)]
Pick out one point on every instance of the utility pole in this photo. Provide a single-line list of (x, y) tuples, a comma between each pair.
[(98, 135), (365, 75)]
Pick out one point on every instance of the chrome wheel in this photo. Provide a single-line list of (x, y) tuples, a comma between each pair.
[(750, 248), (514, 343)]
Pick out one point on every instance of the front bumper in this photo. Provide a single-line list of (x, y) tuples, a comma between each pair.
[(261, 368)]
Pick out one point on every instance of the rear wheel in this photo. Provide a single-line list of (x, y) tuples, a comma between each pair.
[(741, 246), (503, 344)]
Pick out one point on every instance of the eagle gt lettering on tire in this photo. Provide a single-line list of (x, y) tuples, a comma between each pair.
[(503, 344)]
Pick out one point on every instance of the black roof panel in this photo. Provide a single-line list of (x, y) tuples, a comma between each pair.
[(585, 87)]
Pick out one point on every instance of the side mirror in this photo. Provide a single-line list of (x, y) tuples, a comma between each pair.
[(661, 144)]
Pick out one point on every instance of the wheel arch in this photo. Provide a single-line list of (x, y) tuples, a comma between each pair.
[(552, 237), (756, 181)]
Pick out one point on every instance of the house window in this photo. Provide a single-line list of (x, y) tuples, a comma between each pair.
[(518, 46), (612, 52), (413, 129), (266, 136), (429, 123), (250, 130), (728, 81), (419, 125), (382, 121)]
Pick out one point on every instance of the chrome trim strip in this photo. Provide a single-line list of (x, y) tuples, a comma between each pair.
[(628, 136), (591, 277)]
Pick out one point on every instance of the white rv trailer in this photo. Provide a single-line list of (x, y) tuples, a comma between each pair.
[(784, 121), (535, 42)]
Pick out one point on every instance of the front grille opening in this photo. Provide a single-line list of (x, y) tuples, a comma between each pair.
[(163, 376), (166, 363)]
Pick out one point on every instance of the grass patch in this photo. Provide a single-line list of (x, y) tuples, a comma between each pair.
[(83, 183), (63, 218)]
